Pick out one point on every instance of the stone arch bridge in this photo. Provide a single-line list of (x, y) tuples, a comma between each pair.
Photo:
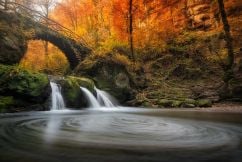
[(42, 28)]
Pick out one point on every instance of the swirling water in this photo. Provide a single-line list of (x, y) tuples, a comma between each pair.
[(116, 135)]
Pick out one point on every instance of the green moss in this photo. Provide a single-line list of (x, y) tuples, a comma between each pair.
[(5, 103), (176, 103), (71, 90), (81, 81), (21, 81), (204, 103), (190, 101), (165, 103)]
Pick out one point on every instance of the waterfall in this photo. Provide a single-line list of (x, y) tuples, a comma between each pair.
[(105, 99), (56, 97), (92, 101)]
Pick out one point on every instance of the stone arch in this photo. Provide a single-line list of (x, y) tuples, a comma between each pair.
[(73, 51)]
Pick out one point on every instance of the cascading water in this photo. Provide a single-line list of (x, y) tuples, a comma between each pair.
[(105, 99), (92, 101), (57, 101)]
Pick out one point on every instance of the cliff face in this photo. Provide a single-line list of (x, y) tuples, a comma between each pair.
[(12, 39), (196, 14)]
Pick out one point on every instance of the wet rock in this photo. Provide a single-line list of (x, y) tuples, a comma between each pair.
[(25, 88), (110, 76), (72, 94), (187, 105)]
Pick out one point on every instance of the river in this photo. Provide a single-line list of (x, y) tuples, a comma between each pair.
[(120, 134)]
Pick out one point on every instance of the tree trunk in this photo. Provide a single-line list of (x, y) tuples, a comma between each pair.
[(228, 68), (6, 5), (46, 43), (131, 29)]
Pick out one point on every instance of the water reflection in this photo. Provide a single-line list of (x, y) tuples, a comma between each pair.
[(52, 128)]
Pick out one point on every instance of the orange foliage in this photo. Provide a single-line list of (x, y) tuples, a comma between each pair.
[(35, 59), (89, 19), (105, 23), (99, 20)]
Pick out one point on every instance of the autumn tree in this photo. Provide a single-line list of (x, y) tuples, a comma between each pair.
[(90, 19), (131, 29), (228, 67), (45, 6)]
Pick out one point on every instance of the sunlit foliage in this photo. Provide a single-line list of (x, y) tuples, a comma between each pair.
[(35, 59)]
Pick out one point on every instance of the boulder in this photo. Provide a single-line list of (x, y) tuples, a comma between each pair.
[(24, 87), (13, 44), (189, 103), (204, 103), (110, 76), (72, 94), (165, 103)]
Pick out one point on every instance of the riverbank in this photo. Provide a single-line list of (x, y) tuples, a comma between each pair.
[(223, 107)]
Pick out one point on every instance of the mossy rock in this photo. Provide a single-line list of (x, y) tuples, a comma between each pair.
[(24, 84), (188, 103), (168, 103), (110, 75), (165, 103), (13, 44), (72, 93), (176, 103), (204, 103), (5, 103)]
